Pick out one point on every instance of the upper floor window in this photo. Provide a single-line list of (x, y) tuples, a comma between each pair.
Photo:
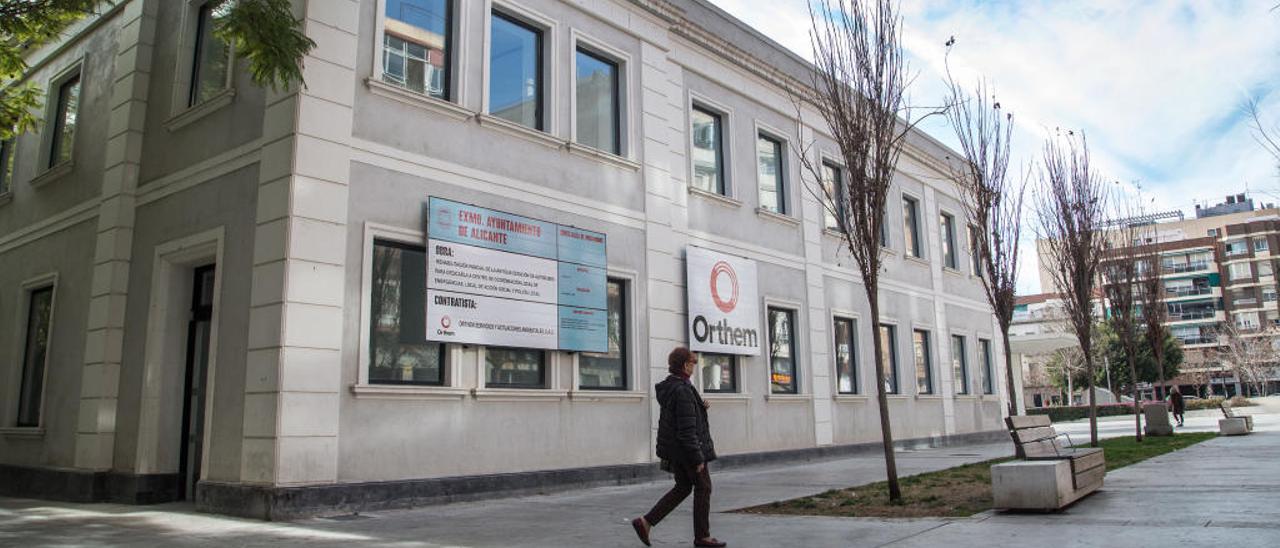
[(833, 210), (64, 120), (7, 153), (417, 45), (212, 61), (773, 192), (782, 351), (399, 352), (1239, 271), (719, 372), (35, 355), (988, 375), (975, 254), (889, 357), (1265, 268), (924, 372), (708, 150), (911, 225), (846, 353), (948, 223), (1237, 247), (599, 119), (608, 370), (515, 71), (1260, 244), (960, 364)]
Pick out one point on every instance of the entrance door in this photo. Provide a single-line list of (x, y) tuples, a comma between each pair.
[(196, 371)]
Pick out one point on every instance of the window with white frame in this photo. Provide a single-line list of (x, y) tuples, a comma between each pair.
[(782, 351), (398, 350), (846, 355), (35, 355), (834, 212), (911, 226), (975, 254), (1246, 320), (889, 357), (1260, 244), (988, 375), (7, 153), (515, 71), (598, 101), (1239, 271), (608, 370), (417, 43), (924, 358), (948, 225), (515, 367), (770, 173), (1268, 293), (1237, 247), (707, 130), (64, 114), (719, 372), (211, 61), (960, 364), (1265, 269)]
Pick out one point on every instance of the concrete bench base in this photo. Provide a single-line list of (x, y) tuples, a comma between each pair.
[(1036, 485), (1237, 426)]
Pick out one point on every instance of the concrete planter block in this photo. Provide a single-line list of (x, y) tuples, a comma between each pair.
[(1237, 426), (1031, 485), (1157, 419)]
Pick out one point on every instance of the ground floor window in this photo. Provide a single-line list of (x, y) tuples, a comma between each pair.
[(719, 372), (35, 352), (399, 352), (782, 352), (960, 364), (608, 370), (515, 368), (846, 351), (889, 357), (924, 373), (988, 387)]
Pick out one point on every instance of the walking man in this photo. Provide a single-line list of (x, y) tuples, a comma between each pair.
[(685, 447), (1177, 404)]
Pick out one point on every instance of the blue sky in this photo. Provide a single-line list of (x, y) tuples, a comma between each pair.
[(1158, 86)]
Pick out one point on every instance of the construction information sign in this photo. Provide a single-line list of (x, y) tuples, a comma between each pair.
[(499, 279)]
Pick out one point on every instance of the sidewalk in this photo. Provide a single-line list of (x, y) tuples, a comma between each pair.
[(1225, 490)]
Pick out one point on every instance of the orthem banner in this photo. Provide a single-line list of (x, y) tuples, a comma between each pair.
[(495, 278), (724, 309)]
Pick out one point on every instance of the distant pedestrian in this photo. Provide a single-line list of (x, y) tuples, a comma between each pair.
[(1179, 406), (685, 447)]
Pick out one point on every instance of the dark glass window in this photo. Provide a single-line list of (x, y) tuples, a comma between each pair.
[(911, 226), (975, 254), (35, 354), (833, 211), (960, 364), (64, 121), (719, 372), (782, 352), (846, 354), (948, 240), (924, 373), (399, 352), (7, 153), (515, 367), (212, 56), (889, 359), (708, 154), (609, 370), (515, 71), (416, 45), (598, 104), (773, 191), (988, 377)]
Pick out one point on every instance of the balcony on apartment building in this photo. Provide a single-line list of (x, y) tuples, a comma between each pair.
[(1184, 267)]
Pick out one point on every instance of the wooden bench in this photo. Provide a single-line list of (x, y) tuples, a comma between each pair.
[(1234, 424), (1052, 475)]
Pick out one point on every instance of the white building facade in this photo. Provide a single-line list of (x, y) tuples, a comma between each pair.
[(217, 292)]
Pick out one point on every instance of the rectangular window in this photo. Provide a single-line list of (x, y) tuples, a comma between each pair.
[(1247, 320), (416, 45), (911, 226), (515, 367), (609, 370), (1265, 269), (782, 352), (924, 373), (948, 241), (399, 352), (988, 376), (7, 153), (960, 364), (889, 360), (773, 191), (884, 231), (1237, 247), (1268, 294), (833, 210), (1260, 244), (846, 352), (64, 121), (1239, 271), (212, 56), (708, 153), (598, 104), (35, 354), (515, 71), (975, 254), (719, 372)]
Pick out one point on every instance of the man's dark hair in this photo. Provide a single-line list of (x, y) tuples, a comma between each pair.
[(677, 358)]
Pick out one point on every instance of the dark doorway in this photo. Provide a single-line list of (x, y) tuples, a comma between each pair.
[(198, 328)]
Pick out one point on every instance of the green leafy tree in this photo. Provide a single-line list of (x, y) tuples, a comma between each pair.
[(1145, 362), (262, 32)]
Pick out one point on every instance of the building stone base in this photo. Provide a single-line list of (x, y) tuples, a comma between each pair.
[(85, 486)]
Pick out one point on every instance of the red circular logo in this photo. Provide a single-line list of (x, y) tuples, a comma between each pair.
[(725, 305), (445, 322)]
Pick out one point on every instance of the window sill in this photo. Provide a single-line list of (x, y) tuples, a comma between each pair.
[(518, 394), (833, 232), (919, 260), (937, 397), (196, 112), (888, 250), (6, 197), (788, 398), (412, 98), (606, 395), (717, 198), (727, 397), (604, 157), (511, 128), (53, 173), (31, 432), (851, 398), (952, 271), (777, 217), (896, 396), (969, 397), (403, 392)]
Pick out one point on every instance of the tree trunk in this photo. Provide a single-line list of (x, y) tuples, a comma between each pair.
[(1157, 352), (1133, 384), (1008, 371), (1093, 395), (890, 462)]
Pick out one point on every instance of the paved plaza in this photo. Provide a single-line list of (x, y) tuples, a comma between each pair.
[(1225, 491)]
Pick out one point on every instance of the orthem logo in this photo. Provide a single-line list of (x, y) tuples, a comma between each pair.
[(725, 305), (445, 322)]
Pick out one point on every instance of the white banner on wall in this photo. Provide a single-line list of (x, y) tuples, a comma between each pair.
[(724, 303), (490, 273), (476, 319)]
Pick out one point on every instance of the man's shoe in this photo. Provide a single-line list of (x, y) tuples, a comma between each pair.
[(709, 542), (642, 530)]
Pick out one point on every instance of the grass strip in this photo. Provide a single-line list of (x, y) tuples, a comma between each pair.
[(954, 492)]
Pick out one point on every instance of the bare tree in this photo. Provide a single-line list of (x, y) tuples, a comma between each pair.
[(858, 88), (1070, 209), (1250, 354), (1120, 282), (992, 202), (1268, 136), (1154, 310)]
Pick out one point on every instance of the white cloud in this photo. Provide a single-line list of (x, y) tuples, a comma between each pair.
[(1157, 86)]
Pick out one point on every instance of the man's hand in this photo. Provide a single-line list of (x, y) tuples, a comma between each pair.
[(701, 466), (706, 404)]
